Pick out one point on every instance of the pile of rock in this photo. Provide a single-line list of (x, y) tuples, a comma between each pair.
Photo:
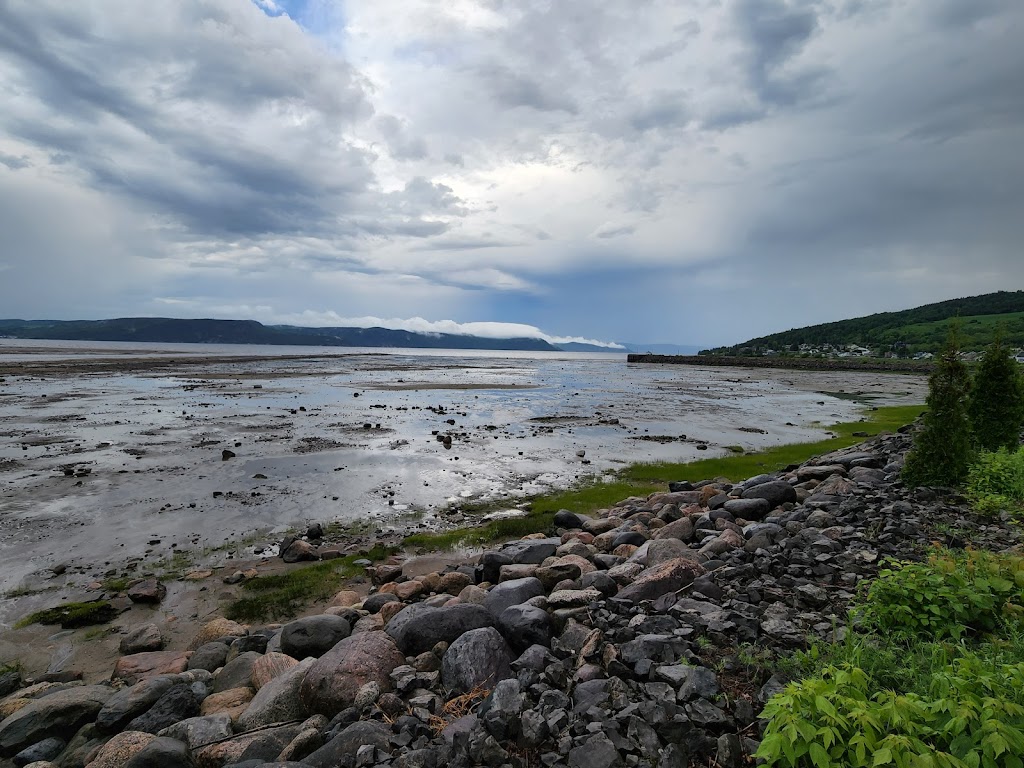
[(613, 644)]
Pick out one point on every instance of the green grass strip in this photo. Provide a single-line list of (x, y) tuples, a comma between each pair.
[(645, 478), (282, 595)]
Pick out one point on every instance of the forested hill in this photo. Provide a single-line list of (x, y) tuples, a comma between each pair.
[(922, 329), (177, 331)]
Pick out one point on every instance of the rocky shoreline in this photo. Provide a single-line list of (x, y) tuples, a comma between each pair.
[(648, 634), (872, 364)]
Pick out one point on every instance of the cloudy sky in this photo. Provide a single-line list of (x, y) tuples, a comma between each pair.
[(698, 171)]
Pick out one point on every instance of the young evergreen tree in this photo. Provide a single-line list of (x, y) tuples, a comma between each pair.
[(997, 399), (943, 446)]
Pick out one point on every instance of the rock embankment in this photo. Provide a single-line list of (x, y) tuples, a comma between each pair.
[(889, 365), (642, 636)]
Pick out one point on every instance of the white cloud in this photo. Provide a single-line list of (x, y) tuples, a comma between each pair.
[(473, 159)]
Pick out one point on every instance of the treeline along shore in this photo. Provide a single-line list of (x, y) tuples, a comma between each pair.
[(792, 363)]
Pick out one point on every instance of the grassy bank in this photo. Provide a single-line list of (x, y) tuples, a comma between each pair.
[(282, 595), (642, 479)]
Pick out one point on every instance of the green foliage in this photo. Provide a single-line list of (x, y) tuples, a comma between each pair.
[(997, 399), (949, 596), (995, 482), (919, 329), (282, 595), (973, 716), (942, 449), (72, 615)]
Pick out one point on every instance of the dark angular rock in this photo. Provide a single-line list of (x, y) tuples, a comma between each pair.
[(531, 551), (598, 752), (341, 750), (148, 592), (209, 656), (480, 657), (514, 592), (47, 749), (525, 625), (129, 703), (175, 705)]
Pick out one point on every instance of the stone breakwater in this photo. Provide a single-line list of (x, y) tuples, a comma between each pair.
[(790, 363), (631, 638)]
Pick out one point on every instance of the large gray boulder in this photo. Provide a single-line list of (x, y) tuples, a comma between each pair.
[(480, 657), (775, 492), (237, 673), (420, 627), (278, 701), (670, 576), (59, 714), (332, 681), (313, 635), (513, 592), (748, 509), (209, 656)]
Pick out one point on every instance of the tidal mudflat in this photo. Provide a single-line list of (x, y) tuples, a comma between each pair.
[(111, 451)]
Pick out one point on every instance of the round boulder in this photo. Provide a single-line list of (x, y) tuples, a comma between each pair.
[(481, 657), (333, 680), (313, 635)]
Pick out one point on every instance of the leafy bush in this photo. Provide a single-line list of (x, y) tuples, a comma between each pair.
[(972, 718), (949, 596), (996, 482), (943, 446), (997, 399)]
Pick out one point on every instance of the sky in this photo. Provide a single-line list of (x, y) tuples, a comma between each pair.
[(690, 172)]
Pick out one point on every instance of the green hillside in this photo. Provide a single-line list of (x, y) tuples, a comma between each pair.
[(922, 329)]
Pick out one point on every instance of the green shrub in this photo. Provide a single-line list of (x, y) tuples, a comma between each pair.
[(950, 596), (997, 399), (995, 482), (972, 718), (943, 446)]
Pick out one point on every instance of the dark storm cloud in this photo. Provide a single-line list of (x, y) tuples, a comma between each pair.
[(14, 163), (777, 31)]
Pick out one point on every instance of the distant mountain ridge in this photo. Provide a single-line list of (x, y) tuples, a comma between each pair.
[(168, 330), (921, 329)]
